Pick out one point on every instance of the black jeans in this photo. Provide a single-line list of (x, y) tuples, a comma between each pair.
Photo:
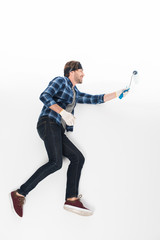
[(57, 145)]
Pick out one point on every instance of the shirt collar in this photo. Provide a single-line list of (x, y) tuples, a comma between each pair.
[(69, 82)]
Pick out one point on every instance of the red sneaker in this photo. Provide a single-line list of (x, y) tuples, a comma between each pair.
[(76, 206), (17, 202)]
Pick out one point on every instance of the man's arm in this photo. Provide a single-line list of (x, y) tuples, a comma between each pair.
[(113, 95), (56, 108), (90, 99), (110, 96), (47, 98), (47, 95), (97, 99)]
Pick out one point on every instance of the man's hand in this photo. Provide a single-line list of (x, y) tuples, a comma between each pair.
[(68, 117), (110, 96), (122, 93)]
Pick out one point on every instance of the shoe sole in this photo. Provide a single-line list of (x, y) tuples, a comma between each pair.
[(76, 210), (12, 206)]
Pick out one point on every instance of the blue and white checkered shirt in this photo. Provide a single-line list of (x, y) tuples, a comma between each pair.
[(59, 91)]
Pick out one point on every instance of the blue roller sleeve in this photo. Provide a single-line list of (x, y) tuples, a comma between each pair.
[(121, 96)]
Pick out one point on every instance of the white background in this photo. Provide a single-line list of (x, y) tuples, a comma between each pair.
[(119, 139)]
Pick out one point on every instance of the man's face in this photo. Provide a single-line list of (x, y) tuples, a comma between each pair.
[(78, 75)]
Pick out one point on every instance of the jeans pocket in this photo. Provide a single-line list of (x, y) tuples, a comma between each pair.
[(41, 128)]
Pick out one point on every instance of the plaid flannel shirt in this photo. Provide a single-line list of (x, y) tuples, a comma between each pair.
[(59, 91)]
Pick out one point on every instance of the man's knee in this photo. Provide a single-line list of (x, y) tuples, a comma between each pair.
[(59, 166), (81, 159), (55, 166)]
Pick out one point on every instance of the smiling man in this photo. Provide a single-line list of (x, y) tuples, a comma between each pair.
[(56, 117)]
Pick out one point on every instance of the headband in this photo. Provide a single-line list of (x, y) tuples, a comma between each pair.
[(68, 70)]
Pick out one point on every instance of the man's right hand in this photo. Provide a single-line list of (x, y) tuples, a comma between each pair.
[(68, 117), (124, 91)]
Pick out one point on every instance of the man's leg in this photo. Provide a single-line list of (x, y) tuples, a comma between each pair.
[(73, 202), (76, 158), (51, 134)]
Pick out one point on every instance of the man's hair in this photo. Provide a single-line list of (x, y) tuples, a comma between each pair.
[(71, 66)]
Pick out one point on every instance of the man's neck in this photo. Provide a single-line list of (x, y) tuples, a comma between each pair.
[(72, 81)]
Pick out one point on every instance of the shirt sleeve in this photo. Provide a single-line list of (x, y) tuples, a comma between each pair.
[(47, 96), (90, 99)]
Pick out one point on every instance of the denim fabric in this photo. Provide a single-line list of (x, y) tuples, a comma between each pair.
[(57, 145)]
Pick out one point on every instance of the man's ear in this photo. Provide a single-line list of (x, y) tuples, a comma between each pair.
[(71, 73)]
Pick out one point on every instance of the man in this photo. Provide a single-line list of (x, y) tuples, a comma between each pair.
[(57, 115)]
